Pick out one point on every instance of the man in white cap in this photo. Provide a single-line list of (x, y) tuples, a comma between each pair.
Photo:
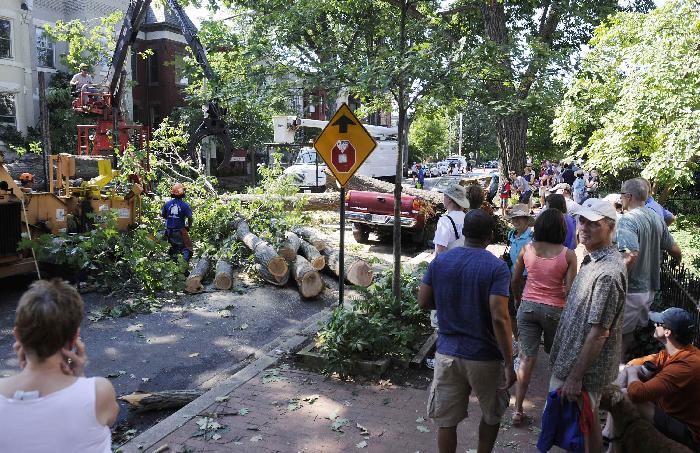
[(449, 227), (586, 347)]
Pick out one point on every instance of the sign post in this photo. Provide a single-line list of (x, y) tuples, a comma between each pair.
[(344, 145)]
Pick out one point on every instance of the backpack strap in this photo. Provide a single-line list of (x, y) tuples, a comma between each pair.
[(454, 225)]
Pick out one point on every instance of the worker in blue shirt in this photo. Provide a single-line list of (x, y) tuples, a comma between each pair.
[(421, 176), (178, 220)]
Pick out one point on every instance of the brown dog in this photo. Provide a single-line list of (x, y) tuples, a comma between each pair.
[(632, 432)]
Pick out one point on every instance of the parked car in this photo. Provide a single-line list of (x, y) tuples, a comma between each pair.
[(435, 171), (374, 212), (443, 167)]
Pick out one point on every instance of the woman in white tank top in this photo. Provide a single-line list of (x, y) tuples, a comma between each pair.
[(50, 406)]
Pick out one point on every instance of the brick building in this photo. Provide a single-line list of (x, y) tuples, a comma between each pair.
[(159, 84)]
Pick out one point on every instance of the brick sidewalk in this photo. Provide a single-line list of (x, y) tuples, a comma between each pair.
[(298, 412)]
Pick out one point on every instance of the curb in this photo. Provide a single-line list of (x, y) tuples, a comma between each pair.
[(149, 438)]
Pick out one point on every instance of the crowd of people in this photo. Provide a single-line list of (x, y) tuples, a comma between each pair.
[(492, 313)]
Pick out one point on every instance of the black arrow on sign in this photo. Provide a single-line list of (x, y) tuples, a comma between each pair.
[(343, 122)]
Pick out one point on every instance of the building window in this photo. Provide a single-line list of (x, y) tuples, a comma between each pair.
[(5, 38), (8, 114), (153, 69), (44, 49)]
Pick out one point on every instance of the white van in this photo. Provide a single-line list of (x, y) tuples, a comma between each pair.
[(309, 177)]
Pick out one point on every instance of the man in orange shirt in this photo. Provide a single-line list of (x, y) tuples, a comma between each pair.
[(674, 389)]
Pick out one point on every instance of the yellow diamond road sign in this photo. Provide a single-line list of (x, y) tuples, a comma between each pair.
[(344, 144)]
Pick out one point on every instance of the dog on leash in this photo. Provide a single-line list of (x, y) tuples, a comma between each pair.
[(632, 432)]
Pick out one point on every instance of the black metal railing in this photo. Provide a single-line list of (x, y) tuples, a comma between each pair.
[(681, 288)]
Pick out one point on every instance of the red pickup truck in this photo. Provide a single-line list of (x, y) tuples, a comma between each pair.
[(374, 212)]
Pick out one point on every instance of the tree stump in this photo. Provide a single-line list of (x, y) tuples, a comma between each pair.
[(308, 280), (263, 252), (310, 236), (193, 283), (308, 251), (223, 279), (289, 247), (357, 271)]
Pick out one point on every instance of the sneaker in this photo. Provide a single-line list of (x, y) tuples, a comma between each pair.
[(430, 363)]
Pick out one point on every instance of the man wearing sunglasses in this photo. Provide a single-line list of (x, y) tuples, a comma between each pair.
[(669, 395)]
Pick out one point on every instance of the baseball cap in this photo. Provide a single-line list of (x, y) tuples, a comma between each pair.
[(560, 188), (675, 319), (458, 194), (595, 209)]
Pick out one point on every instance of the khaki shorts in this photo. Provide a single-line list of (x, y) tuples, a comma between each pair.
[(453, 381), (535, 319), (636, 311), (556, 383)]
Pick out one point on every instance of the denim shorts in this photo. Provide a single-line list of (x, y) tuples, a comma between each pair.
[(535, 319)]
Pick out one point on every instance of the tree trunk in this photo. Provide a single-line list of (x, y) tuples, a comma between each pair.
[(269, 277), (289, 247), (308, 251), (357, 271), (263, 252), (308, 280), (193, 283), (511, 133), (313, 201), (367, 183), (310, 236), (156, 401), (224, 275)]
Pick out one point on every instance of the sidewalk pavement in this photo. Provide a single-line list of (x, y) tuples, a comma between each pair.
[(294, 410)]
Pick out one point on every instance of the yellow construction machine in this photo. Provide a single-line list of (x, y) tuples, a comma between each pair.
[(25, 213)]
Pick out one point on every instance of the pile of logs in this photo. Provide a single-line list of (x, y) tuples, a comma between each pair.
[(301, 255)]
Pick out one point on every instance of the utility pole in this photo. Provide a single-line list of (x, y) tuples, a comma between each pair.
[(45, 127), (460, 135)]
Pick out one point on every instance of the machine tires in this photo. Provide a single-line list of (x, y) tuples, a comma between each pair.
[(360, 233)]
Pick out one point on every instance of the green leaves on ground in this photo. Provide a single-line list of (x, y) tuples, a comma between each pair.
[(272, 375), (209, 429)]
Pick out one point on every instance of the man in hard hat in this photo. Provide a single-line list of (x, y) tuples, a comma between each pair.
[(26, 180), (178, 220)]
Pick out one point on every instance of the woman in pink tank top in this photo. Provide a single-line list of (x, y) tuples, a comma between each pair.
[(50, 406), (551, 268)]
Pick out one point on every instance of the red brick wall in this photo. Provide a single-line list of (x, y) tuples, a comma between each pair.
[(163, 95)]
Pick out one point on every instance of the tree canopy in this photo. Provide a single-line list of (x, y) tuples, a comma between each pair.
[(636, 98)]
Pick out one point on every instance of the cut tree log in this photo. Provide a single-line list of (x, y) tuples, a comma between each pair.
[(327, 201), (289, 247), (269, 278), (357, 271), (308, 280), (311, 253), (310, 236), (223, 278), (193, 283), (264, 253), (156, 401)]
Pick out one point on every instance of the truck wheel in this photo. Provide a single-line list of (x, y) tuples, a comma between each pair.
[(360, 233)]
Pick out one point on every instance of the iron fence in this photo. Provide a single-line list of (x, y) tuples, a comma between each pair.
[(681, 288)]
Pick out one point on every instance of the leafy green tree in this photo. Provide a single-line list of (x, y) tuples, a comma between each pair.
[(427, 137), (636, 98), (86, 44), (520, 44)]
